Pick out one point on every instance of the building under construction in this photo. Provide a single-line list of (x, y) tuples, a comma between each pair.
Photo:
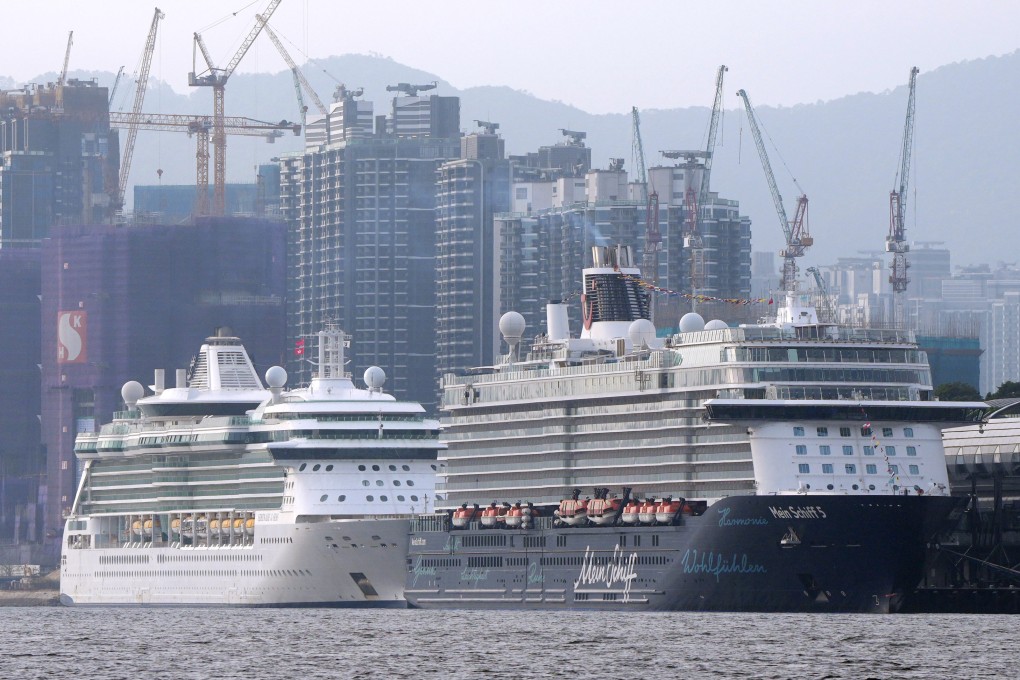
[(59, 159)]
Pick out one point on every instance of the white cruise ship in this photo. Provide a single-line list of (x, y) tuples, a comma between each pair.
[(223, 492)]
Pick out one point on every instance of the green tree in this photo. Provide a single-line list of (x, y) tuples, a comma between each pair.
[(1006, 390), (957, 391)]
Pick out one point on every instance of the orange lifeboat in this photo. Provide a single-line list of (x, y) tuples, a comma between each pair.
[(646, 514), (602, 509), (463, 516), (667, 509), (514, 516), (493, 515), (573, 511), (630, 512), (249, 526), (238, 526), (175, 526)]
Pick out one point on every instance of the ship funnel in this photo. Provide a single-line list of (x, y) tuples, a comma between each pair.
[(556, 321), (182, 377), (159, 381), (608, 257)]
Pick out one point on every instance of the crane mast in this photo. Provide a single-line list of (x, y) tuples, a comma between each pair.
[(67, 58), (217, 78), (141, 85), (796, 231), (638, 154), (713, 128), (828, 311), (896, 243)]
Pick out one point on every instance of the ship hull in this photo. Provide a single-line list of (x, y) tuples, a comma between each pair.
[(797, 553), (357, 563)]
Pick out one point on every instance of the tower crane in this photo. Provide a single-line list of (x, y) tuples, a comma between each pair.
[(216, 78), (713, 129), (693, 164), (795, 231), (653, 236), (489, 127), (141, 85), (896, 242), (116, 82), (299, 77), (411, 90), (200, 127)]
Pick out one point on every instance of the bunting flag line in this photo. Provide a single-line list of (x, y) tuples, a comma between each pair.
[(696, 298)]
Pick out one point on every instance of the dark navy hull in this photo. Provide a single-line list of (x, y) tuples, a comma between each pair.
[(802, 553)]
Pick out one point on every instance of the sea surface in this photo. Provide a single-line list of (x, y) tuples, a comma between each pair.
[(304, 644)]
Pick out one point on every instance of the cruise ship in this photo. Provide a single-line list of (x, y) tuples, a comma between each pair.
[(221, 491), (789, 465)]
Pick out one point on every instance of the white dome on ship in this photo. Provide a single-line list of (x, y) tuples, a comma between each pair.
[(131, 392), (374, 377), (276, 376), (512, 326), (692, 322), (716, 325), (641, 332)]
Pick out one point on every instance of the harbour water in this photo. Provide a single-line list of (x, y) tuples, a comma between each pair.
[(307, 644)]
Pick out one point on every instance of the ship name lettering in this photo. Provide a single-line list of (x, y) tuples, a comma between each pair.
[(716, 564), (726, 521), (793, 512), (266, 516), (535, 574), (474, 574), (419, 570), (418, 541), (617, 569), (453, 544)]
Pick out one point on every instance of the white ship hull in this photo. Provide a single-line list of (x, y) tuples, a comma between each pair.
[(352, 563)]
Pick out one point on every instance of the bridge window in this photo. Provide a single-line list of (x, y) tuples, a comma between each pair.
[(823, 431), (827, 468), (804, 468), (887, 432), (844, 432), (871, 469), (851, 469), (908, 432), (824, 450), (798, 432), (914, 470), (869, 451), (890, 450), (801, 450), (911, 450)]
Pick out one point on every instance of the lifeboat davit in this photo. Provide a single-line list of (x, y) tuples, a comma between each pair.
[(646, 514), (463, 516), (528, 514), (493, 515), (603, 510), (667, 509), (573, 511), (630, 512)]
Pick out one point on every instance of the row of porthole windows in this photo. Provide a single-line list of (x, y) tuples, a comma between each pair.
[(343, 497), (851, 469), (379, 482), (362, 468), (798, 431), (826, 450)]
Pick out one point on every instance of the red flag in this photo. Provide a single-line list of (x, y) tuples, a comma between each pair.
[(299, 347)]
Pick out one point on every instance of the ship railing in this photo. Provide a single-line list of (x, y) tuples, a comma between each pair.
[(436, 522)]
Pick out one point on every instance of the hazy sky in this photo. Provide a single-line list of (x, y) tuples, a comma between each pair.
[(600, 55)]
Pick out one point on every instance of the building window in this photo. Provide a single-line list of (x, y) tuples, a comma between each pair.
[(798, 432), (824, 450), (827, 468), (914, 470), (869, 451), (887, 432), (844, 432), (908, 432), (911, 450), (851, 469), (848, 450), (871, 469), (823, 431), (801, 450), (804, 468)]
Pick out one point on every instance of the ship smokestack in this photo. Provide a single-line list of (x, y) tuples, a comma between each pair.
[(159, 381), (556, 321), (182, 377)]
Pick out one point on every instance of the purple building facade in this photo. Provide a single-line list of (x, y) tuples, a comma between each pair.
[(118, 302)]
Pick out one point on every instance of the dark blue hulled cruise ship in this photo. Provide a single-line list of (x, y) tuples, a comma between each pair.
[(788, 466)]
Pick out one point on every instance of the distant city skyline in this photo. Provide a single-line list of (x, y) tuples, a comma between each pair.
[(597, 55)]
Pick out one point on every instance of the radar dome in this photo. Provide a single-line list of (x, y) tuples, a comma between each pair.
[(132, 392), (374, 377), (716, 325), (512, 325), (276, 377), (641, 332), (691, 322)]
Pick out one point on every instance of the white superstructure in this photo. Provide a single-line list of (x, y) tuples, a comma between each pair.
[(219, 491)]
